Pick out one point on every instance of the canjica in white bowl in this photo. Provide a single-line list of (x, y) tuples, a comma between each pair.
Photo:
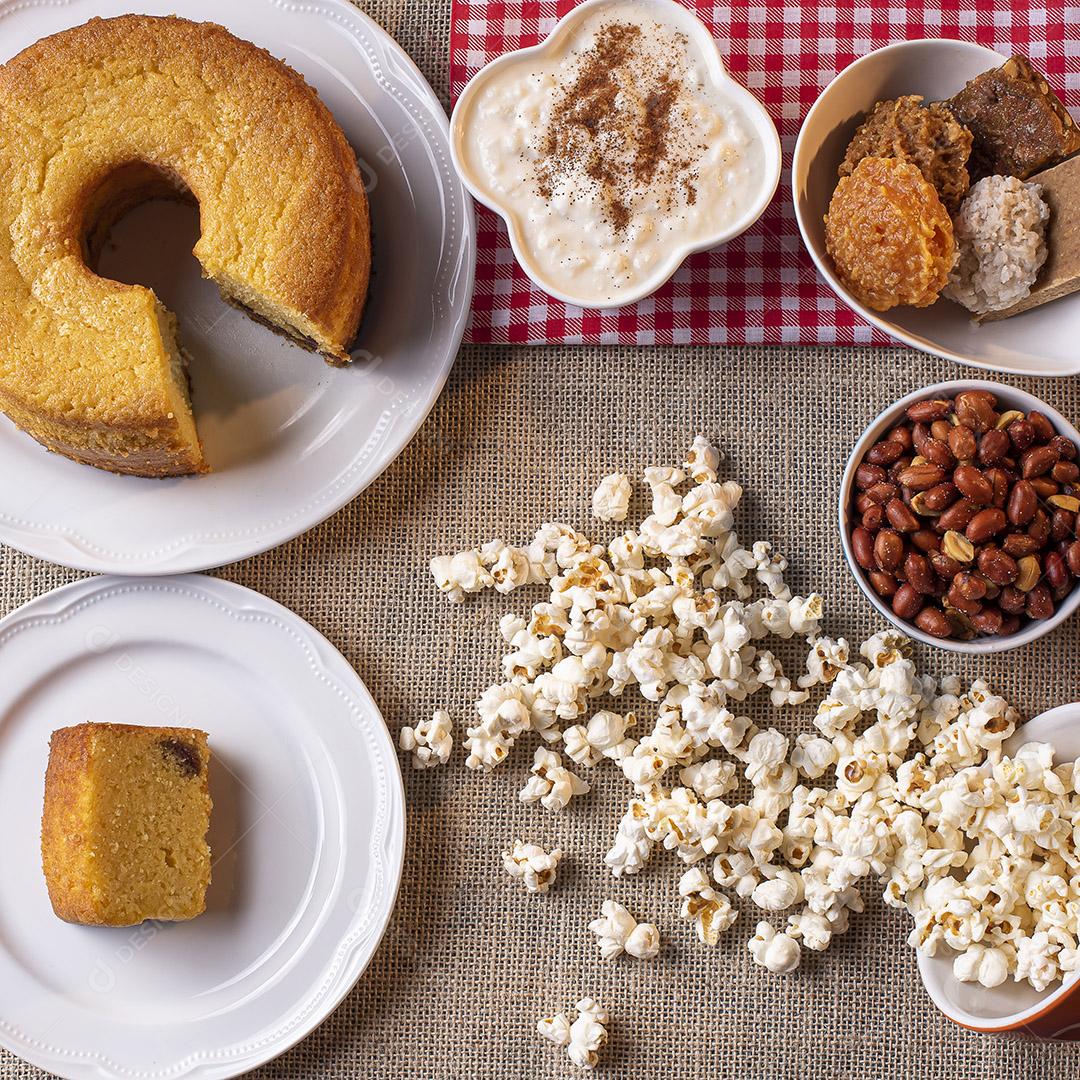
[(614, 149), (1037, 342), (1014, 1005), (1008, 399)]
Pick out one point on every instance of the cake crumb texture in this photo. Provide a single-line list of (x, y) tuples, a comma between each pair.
[(123, 833)]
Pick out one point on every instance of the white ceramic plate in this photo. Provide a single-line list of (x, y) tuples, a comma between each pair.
[(291, 439), (1039, 342), (307, 832)]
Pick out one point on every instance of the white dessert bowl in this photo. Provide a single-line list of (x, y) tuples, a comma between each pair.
[(671, 13), (1008, 398), (1053, 1013), (1038, 342)]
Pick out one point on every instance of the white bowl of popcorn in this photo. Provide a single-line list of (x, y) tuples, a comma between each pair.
[(957, 987)]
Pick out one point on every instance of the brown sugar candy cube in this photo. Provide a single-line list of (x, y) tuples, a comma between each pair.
[(123, 833), (1019, 126)]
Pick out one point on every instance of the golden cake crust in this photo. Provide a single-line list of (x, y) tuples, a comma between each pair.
[(62, 831), (90, 367)]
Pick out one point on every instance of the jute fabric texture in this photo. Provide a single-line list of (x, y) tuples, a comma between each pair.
[(470, 960)]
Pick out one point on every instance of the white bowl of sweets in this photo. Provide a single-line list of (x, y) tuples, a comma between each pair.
[(614, 149), (926, 96)]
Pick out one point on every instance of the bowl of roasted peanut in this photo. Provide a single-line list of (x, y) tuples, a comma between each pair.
[(960, 516)]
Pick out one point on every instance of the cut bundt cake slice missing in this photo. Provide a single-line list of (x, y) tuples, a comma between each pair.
[(96, 119), (123, 832)]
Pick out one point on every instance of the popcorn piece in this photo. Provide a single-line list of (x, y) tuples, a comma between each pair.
[(813, 931), (711, 911), (779, 892), (588, 1033), (711, 779), (530, 864), (633, 845), (702, 461), (770, 569), (552, 784), (981, 964), (735, 870), (459, 574), (511, 570), (504, 714), (430, 742), (826, 660), (804, 615), (666, 503), (618, 931), (555, 1029), (766, 753), (603, 736), (1036, 960), (611, 499), (644, 942), (777, 952), (812, 755), (584, 1038)]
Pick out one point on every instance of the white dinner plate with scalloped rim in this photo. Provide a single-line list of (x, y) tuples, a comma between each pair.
[(291, 439), (307, 832)]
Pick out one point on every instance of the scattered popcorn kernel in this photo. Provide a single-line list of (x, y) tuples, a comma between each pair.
[(711, 912), (552, 784), (588, 1033), (702, 461), (584, 1038), (617, 931), (530, 864), (611, 499), (430, 742), (555, 1029), (774, 951)]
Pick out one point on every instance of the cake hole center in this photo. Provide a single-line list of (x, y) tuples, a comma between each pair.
[(141, 225)]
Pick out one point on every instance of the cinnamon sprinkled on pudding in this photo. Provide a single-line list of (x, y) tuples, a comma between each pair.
[(615, 152), (614, 123)]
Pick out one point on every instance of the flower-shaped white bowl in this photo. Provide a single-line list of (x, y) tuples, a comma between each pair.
[(1039, 342), (1008, 398), (1012, 1006), (670, 13)]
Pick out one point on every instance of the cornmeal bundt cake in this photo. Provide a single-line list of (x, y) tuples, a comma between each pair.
[(123, 833), (105, 115)]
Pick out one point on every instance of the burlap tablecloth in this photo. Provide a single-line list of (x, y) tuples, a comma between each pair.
[(470, 961)]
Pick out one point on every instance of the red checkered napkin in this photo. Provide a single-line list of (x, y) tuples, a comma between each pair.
[(763, 286)]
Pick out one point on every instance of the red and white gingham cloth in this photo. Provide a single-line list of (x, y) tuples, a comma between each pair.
[(761, 288)]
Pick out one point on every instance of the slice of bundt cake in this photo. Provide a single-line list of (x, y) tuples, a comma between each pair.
[(99, 117), (123, 832)]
